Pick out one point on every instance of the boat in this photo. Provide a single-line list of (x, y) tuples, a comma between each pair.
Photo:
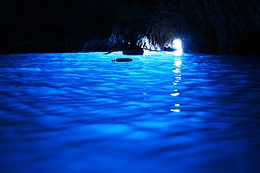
[(122, 60), (169, 49), (132, 49)]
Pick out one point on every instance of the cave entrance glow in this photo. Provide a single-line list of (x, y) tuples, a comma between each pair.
[(172, 47), (177, 44)]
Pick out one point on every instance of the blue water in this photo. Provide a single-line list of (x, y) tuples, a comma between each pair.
[(159, 113)]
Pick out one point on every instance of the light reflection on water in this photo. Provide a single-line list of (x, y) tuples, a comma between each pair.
[(177, 73), (159, 113)]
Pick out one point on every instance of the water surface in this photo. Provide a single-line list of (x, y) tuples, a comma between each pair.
[(81, 112)]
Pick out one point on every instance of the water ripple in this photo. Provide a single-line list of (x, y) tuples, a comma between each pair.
[(159, 113)]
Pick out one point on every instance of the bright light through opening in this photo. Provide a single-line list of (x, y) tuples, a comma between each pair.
[(177, 44)]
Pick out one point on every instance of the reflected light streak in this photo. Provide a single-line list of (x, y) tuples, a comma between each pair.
[(175, 110), (177, 77), (177, 53), (175, 94), (176, 71), (178, 62)]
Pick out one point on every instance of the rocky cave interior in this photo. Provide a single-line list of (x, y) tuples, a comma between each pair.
[(204, 26)]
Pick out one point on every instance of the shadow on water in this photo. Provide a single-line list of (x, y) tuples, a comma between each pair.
[(159, 113)]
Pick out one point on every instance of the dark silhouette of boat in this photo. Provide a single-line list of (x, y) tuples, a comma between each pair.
[(169, 49), (132, 49), (122, 60)]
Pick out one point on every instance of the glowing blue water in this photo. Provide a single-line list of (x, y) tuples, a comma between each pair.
[(159, 113)]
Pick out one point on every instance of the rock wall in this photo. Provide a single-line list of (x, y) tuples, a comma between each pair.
[(205, 26)]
